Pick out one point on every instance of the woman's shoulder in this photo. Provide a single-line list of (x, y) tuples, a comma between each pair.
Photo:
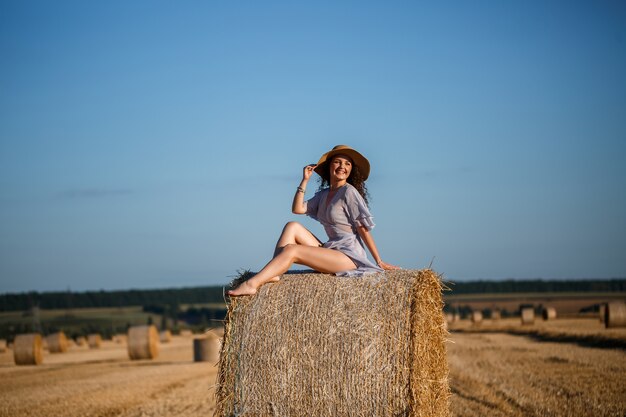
[(352, 194)]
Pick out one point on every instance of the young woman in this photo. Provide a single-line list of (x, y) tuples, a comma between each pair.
[(341, 207)]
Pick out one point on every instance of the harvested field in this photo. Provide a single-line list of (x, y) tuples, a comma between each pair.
[(491, 374), (496, 374), (104, 382)]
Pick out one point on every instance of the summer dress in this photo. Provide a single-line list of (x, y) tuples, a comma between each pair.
[(340, 217)]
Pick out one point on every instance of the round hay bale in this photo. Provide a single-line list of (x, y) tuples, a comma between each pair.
[(57, 342), (186, 333), (477, 317), (371, 346), (528, 315), (165, 336), (3, 345), (206, 349), (143, 342), (81, 341), (495, 314), (94, 340), (449, 318), (602, 312), (457, 317), (615, 314), (549, 313), (28, 349)]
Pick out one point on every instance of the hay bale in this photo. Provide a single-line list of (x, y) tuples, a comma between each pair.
[(120, 339), (495, 314), (206, 349), (28, 349), (602, 312), (321, 345), (165, 336), (81, 341), (3, 345), (186, 333), (615, 314), (549, 313), (57, 342), (94, 341), (528, 315), (477, 317), (143, 342), (449, 318)]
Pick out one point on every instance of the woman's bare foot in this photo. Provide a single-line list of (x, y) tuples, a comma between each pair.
[(248, 288), (245, 288)]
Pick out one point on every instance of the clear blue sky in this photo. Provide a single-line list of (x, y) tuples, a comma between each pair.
[(158, 144)]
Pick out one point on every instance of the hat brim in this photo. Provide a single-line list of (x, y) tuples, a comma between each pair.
[(357, 159)]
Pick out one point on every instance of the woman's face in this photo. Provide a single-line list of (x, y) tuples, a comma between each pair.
[(340, 168)]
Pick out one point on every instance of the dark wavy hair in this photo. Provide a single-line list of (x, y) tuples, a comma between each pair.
[(355, 179)]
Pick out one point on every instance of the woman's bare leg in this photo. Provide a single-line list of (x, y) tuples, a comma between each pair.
[(295, 233), (321, 259)]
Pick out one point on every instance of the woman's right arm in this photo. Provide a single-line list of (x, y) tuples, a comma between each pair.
[(298, 206)]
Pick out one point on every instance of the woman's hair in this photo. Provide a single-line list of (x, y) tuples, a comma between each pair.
[(355, 179)]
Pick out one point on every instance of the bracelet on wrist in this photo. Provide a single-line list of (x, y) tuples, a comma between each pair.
[(301, 190)]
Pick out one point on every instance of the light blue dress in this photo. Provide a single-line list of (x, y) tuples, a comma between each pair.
[(340, 218)]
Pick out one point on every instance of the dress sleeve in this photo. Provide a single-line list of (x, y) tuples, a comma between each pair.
[(358, 213), (312, 205)]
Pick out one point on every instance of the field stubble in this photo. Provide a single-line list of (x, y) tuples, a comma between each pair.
[(492, 373)]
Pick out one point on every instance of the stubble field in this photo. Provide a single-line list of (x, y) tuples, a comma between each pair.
[(493, 372)]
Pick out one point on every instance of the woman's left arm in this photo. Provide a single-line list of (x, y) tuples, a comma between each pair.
[(369, 242)]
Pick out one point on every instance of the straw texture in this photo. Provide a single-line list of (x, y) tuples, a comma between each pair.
[(549, 313), (528, 315), (28, 349), (321, 345), (615, 314), (57, 342), (206, 349), (94, 340), (143, 342)]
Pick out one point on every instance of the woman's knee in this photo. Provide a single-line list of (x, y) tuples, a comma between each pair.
[(290, 250), (293, 226)]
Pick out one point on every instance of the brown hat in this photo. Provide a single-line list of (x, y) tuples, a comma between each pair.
[(357, 159)]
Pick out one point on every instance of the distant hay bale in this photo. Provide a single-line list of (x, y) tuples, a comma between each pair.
[(495, 314), (57, 342), (3, 345), (602, 312), (94, 340), (186, 333), (549, 313), (28, 349), (615, 314), (81, 341), (528, 315), (322, 345), (206, 349), (449, 318), (165, 336), (119, 338), (143, 342), (477, 317)]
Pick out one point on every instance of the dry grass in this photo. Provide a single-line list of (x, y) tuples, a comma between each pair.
[(316, 344), (491, 374)]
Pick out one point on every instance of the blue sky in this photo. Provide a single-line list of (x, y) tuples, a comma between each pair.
[(159, 144)]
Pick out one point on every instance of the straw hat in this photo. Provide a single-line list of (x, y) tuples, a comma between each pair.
[(357, 159)]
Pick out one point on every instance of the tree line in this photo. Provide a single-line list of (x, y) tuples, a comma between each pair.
[(214, 294)]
